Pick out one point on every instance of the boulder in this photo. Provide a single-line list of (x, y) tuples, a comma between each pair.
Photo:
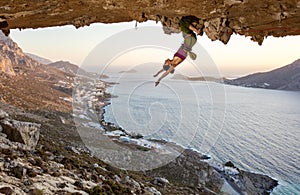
[(160, 181), (152, 190), (134, 184), (23, 132), (117, 178), (3, 114), (72, 149)]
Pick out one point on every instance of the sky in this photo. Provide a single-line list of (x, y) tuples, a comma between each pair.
[(239, 57)]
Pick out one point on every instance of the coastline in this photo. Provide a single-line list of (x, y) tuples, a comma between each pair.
[(239, 185)]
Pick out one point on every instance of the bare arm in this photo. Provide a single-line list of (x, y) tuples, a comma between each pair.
[(191, 27)]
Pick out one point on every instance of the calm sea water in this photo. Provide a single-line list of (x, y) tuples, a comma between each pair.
[(256, 129)]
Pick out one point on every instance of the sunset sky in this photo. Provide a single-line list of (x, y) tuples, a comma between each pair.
[(239, 57)]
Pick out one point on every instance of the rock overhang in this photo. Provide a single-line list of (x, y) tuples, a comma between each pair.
[(219, 18)]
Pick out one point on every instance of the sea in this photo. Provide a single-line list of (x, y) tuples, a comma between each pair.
[(256, 129)]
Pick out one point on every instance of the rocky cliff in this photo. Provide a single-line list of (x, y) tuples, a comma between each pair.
[(220, 18), (12, 58)]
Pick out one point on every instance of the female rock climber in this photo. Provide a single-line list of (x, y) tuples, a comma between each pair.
[(188, 27)]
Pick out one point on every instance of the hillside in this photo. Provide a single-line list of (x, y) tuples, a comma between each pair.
[(39, 59), (28, 84), (72, 69), (284, 78)]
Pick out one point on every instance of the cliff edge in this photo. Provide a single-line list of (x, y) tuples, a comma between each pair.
[(220, 18)]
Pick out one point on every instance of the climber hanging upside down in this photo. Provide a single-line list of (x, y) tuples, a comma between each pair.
[(188, 28)]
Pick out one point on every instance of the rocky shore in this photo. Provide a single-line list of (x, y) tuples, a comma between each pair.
[(43, 152), (189, 168)]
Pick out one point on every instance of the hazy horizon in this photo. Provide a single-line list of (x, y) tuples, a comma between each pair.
[(239, 57)]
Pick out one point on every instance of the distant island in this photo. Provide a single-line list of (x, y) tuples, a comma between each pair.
[(129, 71), (198, 78), (284, 78)]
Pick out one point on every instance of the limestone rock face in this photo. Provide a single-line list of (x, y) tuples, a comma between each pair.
[(23, 132), (12, 58), (220, 18)]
